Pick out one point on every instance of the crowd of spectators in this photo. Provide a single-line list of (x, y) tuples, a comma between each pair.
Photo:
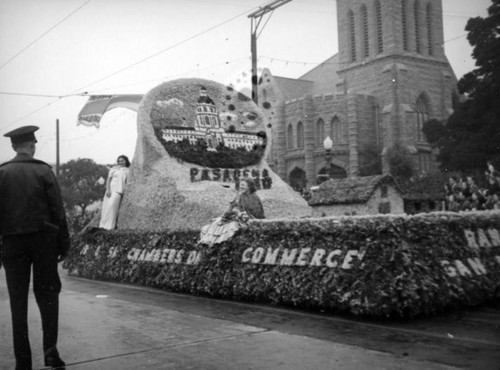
[(466, 195)]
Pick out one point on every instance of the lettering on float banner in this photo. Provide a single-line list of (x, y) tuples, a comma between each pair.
[(489, 238), (261, 177), (277, 256), (311, 257), (165, 255), (301, 257)]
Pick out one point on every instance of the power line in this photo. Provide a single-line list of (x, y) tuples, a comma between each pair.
[(131, 65), (164, 50), (27, 94), (36, 111), (43, 34), (127, 85), (166, 78)]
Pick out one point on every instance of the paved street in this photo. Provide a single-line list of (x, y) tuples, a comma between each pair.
[(113, 326)]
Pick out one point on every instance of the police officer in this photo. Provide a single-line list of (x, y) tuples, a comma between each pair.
[(34, 235)]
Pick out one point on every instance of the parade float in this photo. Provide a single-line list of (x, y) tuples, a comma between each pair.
[(196, 139)]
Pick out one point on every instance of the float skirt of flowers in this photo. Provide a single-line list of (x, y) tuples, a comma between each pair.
[(386, 266)]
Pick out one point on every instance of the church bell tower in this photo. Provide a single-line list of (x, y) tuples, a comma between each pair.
[(393, 50)]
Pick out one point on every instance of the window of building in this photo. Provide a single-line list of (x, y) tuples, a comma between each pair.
[(383, 191), (404, 24), (352, 35), (366, 35), (300, 135), (289, 137), (416, 14), (425, 162), (384, 208), (380, 35), (336, 133), (422, 116), (320, 132), (378, 128), (430, 47)]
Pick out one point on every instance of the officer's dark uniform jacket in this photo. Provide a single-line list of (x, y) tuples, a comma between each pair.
[(30, 200)]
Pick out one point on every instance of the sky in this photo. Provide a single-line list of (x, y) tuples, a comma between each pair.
[(54, 51)]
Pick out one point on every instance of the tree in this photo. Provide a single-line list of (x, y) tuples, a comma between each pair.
[(369, 163), (472, 134), (399, 161), (82, 183)]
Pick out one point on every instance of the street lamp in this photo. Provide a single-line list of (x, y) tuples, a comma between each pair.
[(328, 145)]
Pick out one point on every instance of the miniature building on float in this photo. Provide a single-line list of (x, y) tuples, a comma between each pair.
[(368, 195), (208, 127), (389, 77)]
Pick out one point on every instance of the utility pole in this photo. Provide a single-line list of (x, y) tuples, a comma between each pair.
[(57, 147), (256, 18)]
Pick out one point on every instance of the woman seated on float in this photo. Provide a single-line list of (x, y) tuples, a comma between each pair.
[(247, 205)]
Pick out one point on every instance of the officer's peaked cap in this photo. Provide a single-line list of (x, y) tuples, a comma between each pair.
[(22, 134)]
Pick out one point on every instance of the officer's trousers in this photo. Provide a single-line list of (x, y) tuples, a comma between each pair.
[(19, 254)]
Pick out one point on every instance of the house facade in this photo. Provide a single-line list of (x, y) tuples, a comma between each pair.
[(389, 77), (367, 195)]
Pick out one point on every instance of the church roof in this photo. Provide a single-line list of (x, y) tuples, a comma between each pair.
[(292, 88), (319, 80), (324, 76), (350, 190)]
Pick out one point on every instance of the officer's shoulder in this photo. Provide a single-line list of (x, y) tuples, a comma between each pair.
[(37, 161), (32, 160)]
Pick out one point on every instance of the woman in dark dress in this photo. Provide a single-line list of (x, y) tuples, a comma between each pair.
[(248, 201)]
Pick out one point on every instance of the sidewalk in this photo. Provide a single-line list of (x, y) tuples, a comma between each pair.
[(101, 331)]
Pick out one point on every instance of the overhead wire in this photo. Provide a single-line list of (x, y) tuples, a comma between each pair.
[(164, 50), (28, 94), (75, 92), (166, 78), (133, 64), (43, 34)]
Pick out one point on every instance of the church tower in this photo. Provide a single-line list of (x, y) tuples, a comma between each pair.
[(393, 50)]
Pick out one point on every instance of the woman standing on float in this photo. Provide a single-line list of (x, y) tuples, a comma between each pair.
[(115, 187)]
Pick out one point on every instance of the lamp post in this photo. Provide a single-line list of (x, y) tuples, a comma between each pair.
[(328, 145)]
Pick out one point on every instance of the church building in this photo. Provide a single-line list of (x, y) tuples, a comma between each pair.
[(389, 77)]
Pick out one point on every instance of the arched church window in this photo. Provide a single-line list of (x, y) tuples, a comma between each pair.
[(289, 137), (366, 39), (352, 35), (207, 121), (336, 133), (416, 14), (380, 35), (422, 116), (300, 135), (430, 47), (320, 132)]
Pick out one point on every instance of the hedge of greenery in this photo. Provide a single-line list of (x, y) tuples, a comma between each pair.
[(383, 266)]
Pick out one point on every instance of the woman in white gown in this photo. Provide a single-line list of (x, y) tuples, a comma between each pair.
[(115, 187)]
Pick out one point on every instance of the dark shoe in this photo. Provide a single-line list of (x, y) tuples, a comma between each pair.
[(54, 362)]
